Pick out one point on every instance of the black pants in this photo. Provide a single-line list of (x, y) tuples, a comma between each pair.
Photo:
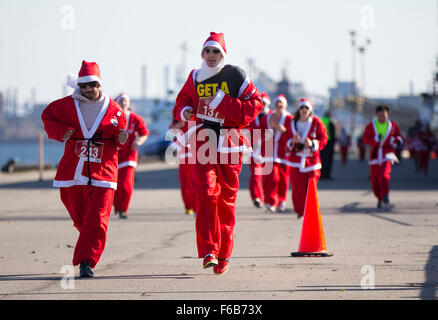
[(327, 155)]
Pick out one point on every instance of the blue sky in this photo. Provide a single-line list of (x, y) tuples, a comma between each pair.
[(39, 45)]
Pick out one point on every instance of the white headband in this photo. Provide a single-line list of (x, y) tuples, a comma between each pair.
[(282, 99), (306, 104)]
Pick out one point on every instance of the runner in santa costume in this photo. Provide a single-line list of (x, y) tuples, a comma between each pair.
[(344, 141), (427, 144), (276, 183), (308, 136), (91, 125), (128, 156), (383, 135), (185, 161), (256, 162), (219, 100)]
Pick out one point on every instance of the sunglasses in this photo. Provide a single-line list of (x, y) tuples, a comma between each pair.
[(304, 107), (215, 51), (92, 84)]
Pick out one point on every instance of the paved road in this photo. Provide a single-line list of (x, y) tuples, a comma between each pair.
[(152, 255)]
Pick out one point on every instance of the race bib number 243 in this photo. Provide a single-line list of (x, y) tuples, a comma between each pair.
[(95, 151)]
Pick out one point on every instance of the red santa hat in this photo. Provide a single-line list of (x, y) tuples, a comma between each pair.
[(265, 98), (216, 40), (89, 72), (122, 96), (305, 103), (282, 98)]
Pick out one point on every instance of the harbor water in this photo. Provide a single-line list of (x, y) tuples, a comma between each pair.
[(27, 152)]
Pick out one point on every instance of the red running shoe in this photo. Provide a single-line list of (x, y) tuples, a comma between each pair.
[(222, 266), (209, 261)]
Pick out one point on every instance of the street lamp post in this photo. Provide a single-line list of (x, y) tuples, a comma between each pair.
[(362, 51)]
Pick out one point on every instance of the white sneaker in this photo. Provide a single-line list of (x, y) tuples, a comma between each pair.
[(282, 207), (270, 209)]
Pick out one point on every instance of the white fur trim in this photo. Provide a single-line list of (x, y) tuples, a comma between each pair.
[(81, 180), (306, 132), (282, 99), (315, 145), (86, 79), (124, 96), (185, 155), (182, 113), (127, 164), (244, 85), (127, 117), (89, 134), (215, 45), (217, 99), (72, 80), (306, 104), (276, 160), (311, 168), (96, 183)]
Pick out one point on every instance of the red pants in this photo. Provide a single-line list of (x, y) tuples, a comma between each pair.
[(185, 181), (90, 209), (255, 181), (344, 154), (215, 186), (380, 176), (300, 182), (423, 161), (125, 188), (276, 184)]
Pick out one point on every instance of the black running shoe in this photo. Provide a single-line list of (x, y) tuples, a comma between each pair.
[(85, 270)]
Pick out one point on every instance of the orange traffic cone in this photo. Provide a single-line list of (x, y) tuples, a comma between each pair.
[(312, 242)]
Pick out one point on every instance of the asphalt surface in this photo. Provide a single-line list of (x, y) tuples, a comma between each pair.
[(388, 255)]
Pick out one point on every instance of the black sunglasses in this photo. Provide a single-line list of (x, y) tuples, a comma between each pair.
[(92, 84), (215, 51)]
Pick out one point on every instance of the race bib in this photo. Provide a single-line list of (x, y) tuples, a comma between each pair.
[(95, 151), (208, 113)]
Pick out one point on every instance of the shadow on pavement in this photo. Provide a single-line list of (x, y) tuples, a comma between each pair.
[(56, 277), (341, 288), (429, 289)]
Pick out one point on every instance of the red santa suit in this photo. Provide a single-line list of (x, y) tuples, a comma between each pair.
[(87, 172), (128, 159), (217, 150), (381, 156), (344, 143), (256, 163), (185, 160), (305, 163), (427, 142), (276, 183)]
